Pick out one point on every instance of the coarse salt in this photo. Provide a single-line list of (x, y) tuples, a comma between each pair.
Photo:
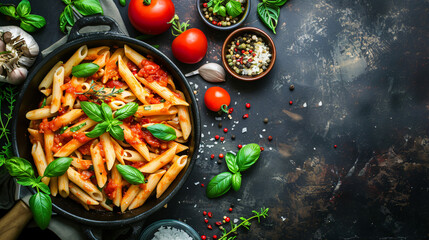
[(244, 130), (170, 233)]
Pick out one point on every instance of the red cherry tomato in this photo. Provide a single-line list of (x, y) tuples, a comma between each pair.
[(190, 46), (151, 16), (217, 98)]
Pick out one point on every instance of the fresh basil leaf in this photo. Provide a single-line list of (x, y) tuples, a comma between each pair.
[(117, 132), (216, 8), (98, 130), (67, 2), (88, 7), (269, 14), (19, 168), (222, 11), (23, 8), (233, 8), (247, 156), (106, 111), (92, 110), (130, 174), (210, 3), (115, 122), (236, 181), (36, 21), (27, 27), (123, 2), (44, 187), (85, 69), (231, 162), (219, 185), (68, 14), (9, 10), (126, 111), (58, 167), (74, 129), (162, 132), (278, 3), (41, 207), (27, 181), (63, 22)]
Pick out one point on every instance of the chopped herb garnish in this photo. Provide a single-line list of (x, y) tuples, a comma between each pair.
[(74, 129)]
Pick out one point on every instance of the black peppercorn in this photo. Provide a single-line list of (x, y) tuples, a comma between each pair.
[(220, 124), (265, 120), (291, 87), (232, 136), (219, 161)]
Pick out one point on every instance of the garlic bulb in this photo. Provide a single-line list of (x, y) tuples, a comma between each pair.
[(211, 72), (18, 52)]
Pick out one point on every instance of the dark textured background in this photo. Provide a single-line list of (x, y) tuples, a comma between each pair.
[(360, 70)]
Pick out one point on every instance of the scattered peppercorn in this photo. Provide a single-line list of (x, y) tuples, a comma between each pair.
[(262, 149), (230, 110), (245, 116), (239, 146), (218, 223), (335, 146), (232, 136), (212, 156), (214, 237), (230, 209), (222, 139), (290, 102), (291, 87), (225, 130), (210, 214), (227, 219), (202, 185), (209, 227), (232, 205), (206, 220), (221, 155), (270, 138), (219, 161), (203, 237), (217, 137), (220, 125), (265, 120), (204, 213), (248, 105)]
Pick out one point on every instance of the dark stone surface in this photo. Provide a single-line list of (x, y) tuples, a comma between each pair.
[(360, 71)]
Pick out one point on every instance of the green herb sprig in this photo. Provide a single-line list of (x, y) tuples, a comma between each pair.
[(7, 96), (269, 12), (232, 7), (245, 223), (83, 7), (245, 158), (40, 203), (106, 121), (29, 22), (100, 93)]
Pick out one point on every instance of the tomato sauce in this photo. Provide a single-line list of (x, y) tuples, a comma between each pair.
[(81, 137), (115, 84), (153, 72), (150, 139), (110, 188), (59, 141), (85, 175), (85, 149)]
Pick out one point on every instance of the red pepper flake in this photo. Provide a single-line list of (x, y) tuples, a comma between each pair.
[(262, 149), (206, 220), (221, 155), (250, 51), (202, 185), (250, 60), (203, 237), (242, 51), (204, 213), (235, 50), (214, 22), (210, 214), (239, 146), (219, 24), (237, 43), (290, 102), (222, 139), (212, 156), (245, 116), (217, 137), (247, 105), (205, 5), (254, 54), (214, 237), (225, 130), (230, 209), (218, 223), (230, 110), (335, 146), (227, 219), (270, 138)]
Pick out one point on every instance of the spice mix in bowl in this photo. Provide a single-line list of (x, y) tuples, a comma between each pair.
[(248, 53), (223, 14)]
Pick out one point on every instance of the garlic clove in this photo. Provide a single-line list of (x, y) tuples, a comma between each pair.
[(2, 46), (17, 75), (26, 61), (7, 36), (211, 72)]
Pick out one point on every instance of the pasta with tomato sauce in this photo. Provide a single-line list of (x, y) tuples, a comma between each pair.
[(60, 127)]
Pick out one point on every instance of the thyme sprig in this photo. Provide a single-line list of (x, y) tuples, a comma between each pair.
[(101, 93), (7, 96), (245, 223)]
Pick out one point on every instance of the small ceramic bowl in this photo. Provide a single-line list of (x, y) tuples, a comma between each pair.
[(254, 31), (242, 18), (150, 230)]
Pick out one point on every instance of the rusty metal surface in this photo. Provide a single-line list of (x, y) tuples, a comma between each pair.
[(360, 70)]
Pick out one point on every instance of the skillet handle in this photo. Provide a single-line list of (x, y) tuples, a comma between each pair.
[(12, 224), (93, 21)]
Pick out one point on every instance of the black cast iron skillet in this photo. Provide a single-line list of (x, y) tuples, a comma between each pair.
[(29, 98)]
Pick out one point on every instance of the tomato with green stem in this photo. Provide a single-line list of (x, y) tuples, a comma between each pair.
[(190, 45), (217, 99), (151, 16)]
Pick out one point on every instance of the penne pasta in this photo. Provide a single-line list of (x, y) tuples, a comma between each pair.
[(40, 160), (138, 90), (184, 118), (77, 58), (85, 184), (159, 161), (164, 92), (46, 84), (56, 89), (94, 53), (98, 164), (148, 188), (170, 175), (155, 109)]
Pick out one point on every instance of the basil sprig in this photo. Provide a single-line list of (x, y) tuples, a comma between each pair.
[(131, 174), (84, 7), (269, 12), (108, 123), (40, 203), (29, 22), (232, 7), (85, 69), (245, 158), (162, 132)]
